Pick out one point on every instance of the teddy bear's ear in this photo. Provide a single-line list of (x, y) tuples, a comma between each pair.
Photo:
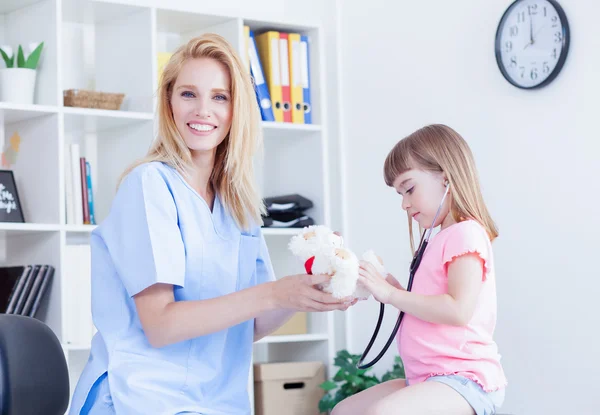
[(297, 244)]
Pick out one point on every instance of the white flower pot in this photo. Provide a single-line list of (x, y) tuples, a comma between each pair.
[(17, 85)]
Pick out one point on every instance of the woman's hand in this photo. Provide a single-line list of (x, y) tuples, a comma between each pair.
[(299, 292), (381, 288)]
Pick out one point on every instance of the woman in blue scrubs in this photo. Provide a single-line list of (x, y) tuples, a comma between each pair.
[(182, 282)]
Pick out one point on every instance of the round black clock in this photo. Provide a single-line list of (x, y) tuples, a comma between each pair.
[(532, 42)]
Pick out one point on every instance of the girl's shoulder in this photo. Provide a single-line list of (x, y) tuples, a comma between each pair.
[(468, 227), (466, 237), (467, 234)]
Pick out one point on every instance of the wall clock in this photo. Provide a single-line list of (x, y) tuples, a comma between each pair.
[(532, 42)]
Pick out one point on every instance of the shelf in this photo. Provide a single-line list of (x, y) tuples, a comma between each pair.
[(263, 25), (79, 228), (27, 228), (83, 347), (20, 112), (7, 6), (275, 130), (173, 21), (94, 12), (280, 231), (295, 338), (92, 120)]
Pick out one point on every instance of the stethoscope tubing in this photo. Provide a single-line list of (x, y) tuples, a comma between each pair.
[(414, 265)]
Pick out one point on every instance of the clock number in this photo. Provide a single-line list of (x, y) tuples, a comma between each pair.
[(554, 21), (514, 30), (532, 9), (534, 74), (521, 17), (522, 68), (509, 46), (545, 68), (545, 11), (513, 62), (558, 37), (554, 53)]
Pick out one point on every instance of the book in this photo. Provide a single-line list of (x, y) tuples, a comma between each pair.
[(23, 287)]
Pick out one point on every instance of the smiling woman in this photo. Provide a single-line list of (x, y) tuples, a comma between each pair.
[(182, 281)]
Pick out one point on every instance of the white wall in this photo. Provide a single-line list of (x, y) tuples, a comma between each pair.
[(409, 63)]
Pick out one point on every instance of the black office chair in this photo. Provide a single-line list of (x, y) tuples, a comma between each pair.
[(34, 378)]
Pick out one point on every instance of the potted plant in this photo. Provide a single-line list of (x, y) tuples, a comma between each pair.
[(17, 80), (349, 380)]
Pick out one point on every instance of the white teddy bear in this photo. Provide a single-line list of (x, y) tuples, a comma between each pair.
[(322, 252)]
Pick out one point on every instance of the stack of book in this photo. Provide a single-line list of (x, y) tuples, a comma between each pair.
[(22, 288), (78, 188), (279, 65)]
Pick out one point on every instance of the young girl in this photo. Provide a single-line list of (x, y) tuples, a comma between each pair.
[(182, 283), (446, 337)]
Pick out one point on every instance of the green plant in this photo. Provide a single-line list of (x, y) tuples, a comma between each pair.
[(30, 62), (349, 380)]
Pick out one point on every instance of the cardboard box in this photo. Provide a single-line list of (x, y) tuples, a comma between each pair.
[(288, 388), (295, 325)]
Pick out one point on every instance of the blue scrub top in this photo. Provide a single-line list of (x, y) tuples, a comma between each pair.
[(159, 229)]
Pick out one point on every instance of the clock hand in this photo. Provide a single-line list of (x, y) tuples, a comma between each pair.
[(530, 29), (534, 36)]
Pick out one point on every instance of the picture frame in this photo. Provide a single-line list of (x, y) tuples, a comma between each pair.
[(10, 203)]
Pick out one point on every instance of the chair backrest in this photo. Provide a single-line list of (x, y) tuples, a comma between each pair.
[(34, 378)]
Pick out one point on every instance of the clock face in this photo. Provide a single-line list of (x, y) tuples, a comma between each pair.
[(532, 42)]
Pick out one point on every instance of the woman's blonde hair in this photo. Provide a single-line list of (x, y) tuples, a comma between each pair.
[(438, 148), (233, 173)]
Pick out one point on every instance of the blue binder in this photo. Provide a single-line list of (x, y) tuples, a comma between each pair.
[(305, 59), (260, 86)]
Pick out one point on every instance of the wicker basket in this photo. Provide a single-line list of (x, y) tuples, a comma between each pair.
[(92, 99)]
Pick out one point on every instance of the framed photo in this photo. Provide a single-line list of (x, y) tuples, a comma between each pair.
[(10, 205)]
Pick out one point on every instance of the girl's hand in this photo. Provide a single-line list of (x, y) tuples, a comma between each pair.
[(299, 292), (392, 280), (381, 288)]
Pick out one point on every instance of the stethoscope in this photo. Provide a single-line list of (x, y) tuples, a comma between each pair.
[(414, 265)]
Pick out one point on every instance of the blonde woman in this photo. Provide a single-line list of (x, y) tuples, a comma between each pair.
[(182, 282), (446, 340)]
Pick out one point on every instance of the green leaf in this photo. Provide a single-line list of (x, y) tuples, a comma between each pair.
[(370, 383), (339, 376), (348, 380), (357, 380), (326, 403), (328, 385), (33, 59), (20, 58), (10, 62)]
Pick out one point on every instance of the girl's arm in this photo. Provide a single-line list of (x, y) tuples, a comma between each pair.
[(166, 321), (454, 308)]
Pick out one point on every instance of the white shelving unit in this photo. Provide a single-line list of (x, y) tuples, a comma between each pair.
[(112, 46)]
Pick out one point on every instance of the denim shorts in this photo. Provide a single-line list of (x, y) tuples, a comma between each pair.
[(484, 403)]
